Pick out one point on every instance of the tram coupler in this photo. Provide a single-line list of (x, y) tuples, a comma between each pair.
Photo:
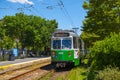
[(60, 65)]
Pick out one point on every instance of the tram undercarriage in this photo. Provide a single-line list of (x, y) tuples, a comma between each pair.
[(62, 64)]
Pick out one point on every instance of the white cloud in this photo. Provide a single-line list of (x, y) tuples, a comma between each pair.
[(21, 1)]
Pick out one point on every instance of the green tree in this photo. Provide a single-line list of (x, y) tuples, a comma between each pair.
[(5, 41), (32, 31), (89, 39), (103, 17), (106, 52)]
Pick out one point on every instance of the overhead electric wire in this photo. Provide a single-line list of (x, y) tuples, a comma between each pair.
[(28, 8), (7, 7), (37, 11), (64, 10), (23, 7), (43, 3)]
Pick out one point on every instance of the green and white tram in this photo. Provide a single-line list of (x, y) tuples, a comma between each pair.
[(64, 48)]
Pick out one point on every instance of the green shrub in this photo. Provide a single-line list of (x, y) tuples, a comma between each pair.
[(109, 73), (91, 74), (106, 52)]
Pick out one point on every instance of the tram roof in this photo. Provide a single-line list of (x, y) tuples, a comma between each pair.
[(71, 32), (59, 30)]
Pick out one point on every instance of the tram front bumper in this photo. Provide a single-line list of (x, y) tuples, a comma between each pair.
[(62, 63)]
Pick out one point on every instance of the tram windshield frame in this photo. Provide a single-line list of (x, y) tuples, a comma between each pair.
[(62, 43)]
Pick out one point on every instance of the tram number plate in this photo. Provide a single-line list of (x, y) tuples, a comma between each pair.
[(60, 52)]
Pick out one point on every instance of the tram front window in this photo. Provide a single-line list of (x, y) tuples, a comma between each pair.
[(66, 43), (56, 44)]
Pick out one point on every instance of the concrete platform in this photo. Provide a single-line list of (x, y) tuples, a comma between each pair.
[(21, 61)]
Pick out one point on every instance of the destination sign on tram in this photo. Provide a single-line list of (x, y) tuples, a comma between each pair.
[(61, 34)]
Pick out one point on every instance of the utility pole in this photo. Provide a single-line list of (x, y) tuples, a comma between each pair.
[(75, 29)]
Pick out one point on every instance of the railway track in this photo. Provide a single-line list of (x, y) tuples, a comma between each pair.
[(21, 66), (34, 74), (26, 72), (36, 71), (58, 74)]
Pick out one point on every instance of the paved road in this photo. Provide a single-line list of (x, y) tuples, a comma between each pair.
[(16, 61)]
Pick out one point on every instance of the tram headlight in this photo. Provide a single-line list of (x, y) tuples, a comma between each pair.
[(69, 53), (53, 53)]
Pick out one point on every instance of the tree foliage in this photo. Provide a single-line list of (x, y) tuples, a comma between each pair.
[(89, 38), (106, 52), (109, 73), (31, 31), (103, 17)]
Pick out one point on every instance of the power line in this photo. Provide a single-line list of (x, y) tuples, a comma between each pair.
[(37, 11), (51, 6), (62, 7), (21, 9), (64, 10), (28, 8), (43, 3)]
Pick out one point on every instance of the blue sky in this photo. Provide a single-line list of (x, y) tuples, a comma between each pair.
[(68, 13)]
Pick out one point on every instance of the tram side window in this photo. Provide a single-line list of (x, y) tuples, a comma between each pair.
[(74, 42)]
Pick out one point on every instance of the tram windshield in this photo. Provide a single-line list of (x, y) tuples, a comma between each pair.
[(66, 43), (56, 44), (63, 43)]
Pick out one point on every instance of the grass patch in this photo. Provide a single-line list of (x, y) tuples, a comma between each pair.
[(60, 78), (47, 77), (79, 73)]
